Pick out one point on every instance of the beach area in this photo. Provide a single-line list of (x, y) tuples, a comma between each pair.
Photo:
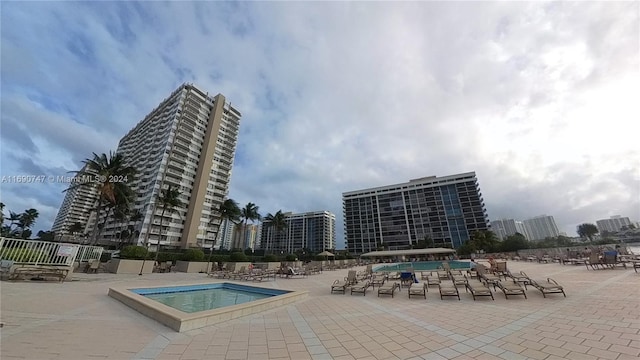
[(599, 319)]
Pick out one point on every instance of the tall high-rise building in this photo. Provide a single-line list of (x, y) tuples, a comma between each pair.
[(187, 142), (541, 227), (76, 207), (507, 227), (613, 224), (445, 209), (315, 230), (225, 237)]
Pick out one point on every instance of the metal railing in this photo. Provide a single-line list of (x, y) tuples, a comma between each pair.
[(35, 252)]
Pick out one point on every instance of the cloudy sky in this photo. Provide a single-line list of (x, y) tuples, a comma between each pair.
[(539, 99)]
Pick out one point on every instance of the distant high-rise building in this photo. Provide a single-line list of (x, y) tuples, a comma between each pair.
[(541, 227), (225, 238), (76, 207), (613, 224), (507, 227), (315, 230), (187, 142), (445, 209), (245, 236)]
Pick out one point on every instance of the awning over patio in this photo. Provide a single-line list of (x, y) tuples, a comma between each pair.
[(432, 251)]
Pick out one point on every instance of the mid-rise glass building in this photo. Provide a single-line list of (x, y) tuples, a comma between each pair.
[(442, 210)]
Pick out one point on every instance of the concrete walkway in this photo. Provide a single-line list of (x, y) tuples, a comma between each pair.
[(600, 319)]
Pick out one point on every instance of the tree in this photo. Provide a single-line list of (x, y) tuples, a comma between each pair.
[(76, 228), (277, 223), (111, 176), (587, 231), (27, 219), (1, 213), (514, 243), (46, 235), (228, 210), (14, 219), (169, 199), (248, 213)]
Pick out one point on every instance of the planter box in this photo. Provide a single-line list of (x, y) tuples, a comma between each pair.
[(128, 266), (192, 266)]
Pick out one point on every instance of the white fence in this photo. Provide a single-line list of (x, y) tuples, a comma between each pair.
[(34, 252)]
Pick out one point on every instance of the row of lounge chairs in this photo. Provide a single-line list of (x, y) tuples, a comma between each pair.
[(244, 274), (448, 282)]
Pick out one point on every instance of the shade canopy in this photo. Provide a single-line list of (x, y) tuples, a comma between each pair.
[(326, 253), (432, 251)]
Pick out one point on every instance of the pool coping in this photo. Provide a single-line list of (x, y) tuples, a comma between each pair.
[(181, 321)]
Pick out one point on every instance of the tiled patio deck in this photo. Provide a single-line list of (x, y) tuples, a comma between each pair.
[(600, 318)]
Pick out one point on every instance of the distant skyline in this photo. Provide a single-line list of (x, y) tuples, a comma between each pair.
[(538, 98)]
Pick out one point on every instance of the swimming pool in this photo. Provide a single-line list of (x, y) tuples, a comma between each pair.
[(196, 298), (193, 306), (424, 265)]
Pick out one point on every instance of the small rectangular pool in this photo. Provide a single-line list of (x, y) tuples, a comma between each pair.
[(188, 307), (196, 298)]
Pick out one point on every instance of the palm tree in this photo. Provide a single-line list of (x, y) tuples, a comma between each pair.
[(249, 212), (121, 215), (27, 219), (135, 217), (277, 222), (169, 199), (228, 210), (111, 176), (14, 219), (1, 213)]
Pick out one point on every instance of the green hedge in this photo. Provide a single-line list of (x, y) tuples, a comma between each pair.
[(133, 252), (238, 257), (24, 255), (193, 255)]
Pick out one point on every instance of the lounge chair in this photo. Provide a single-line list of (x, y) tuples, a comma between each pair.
[(610, 259), (93, 266), (416, 289), (339, 286), (479, 290), (486, 277), (388, 289), (501, 269), (459, 279), (378, 280), (519, 278), (636, 266), (432, 280), (351, 278), (360, 288), (511, 289), (548, 287), (448, 289), (595, 262)]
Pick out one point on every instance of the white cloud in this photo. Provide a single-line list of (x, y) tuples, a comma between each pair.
[(538, 98)]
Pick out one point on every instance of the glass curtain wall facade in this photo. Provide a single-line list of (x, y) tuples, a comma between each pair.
[(446, 210)]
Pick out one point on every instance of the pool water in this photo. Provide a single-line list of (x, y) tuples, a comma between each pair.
[(196, 298), (424, 266)]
